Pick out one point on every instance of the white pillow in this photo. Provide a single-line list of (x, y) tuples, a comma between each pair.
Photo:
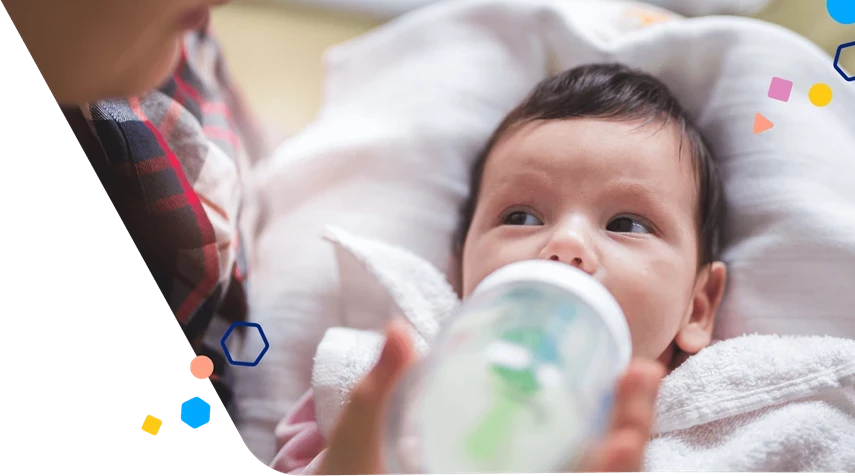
[(391, 8), (408, 106), (696, 8)]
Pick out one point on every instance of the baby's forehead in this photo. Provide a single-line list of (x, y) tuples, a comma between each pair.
[(593, 161), (594, 149)]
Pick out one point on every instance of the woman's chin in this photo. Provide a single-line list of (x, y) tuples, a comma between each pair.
[(159, 71)]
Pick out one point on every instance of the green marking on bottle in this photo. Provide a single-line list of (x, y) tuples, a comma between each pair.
[(485, 441), (517, 383), (528, 337), (514, 388)]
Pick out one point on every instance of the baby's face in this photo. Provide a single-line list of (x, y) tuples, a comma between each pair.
[(615, 199)]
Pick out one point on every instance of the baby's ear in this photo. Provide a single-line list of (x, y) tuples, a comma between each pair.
[(697, 329)]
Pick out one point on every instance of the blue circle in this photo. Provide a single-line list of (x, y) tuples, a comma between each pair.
[(842, 11)]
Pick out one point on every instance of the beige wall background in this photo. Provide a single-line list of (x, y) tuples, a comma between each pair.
[(275, 51)]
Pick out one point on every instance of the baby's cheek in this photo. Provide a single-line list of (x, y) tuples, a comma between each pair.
[(482, 257), (499, 249), (648, 294), (640, 307)]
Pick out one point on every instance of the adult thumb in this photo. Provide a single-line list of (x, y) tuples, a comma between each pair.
[(355, 443), (395, 358)]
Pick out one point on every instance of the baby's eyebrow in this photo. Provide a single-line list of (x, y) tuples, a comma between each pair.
[(642, 194), (528, 171), (518, 179), (630, 187)]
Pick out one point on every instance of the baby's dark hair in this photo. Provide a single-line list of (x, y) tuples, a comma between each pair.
[(614, 91)]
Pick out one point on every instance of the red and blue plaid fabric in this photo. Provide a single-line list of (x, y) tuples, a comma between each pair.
[(173, 162)]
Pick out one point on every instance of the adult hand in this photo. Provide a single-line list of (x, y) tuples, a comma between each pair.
[(622, 448), (355, 446)]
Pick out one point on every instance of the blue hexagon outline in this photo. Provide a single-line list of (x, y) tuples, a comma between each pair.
[(196, 401), (241, 362), (837, 61)]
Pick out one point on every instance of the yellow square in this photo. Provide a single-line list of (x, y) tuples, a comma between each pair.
[(151, 425)]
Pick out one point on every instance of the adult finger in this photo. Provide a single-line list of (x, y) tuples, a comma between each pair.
[(635, 401), (355, 444), (622, 450)]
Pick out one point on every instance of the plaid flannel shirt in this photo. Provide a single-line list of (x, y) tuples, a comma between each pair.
[(173, 163)]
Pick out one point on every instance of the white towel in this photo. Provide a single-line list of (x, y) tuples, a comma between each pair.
[(752, 403), (759, 403), (418, 292)]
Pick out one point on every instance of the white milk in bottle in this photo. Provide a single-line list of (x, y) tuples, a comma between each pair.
[(520, 380)]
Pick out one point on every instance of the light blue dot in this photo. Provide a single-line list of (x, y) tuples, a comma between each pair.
[(842, 11), (195, 412)]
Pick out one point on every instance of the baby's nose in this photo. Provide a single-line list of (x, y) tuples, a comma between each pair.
[(574, 248), (588, 264), (575, 262)]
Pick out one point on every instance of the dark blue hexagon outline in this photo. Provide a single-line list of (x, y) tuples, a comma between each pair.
[(837, 61), (241, 362)]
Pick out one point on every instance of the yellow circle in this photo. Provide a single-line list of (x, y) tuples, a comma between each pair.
[(820, 95)]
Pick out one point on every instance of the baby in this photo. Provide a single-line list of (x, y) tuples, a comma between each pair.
[(600, 168)]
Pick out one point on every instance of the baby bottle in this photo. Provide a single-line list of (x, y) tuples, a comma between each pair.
[(520, 380)]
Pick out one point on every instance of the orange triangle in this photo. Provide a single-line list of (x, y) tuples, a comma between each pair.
[(761, 124)]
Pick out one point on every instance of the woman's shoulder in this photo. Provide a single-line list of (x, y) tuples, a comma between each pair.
[(173, 162)]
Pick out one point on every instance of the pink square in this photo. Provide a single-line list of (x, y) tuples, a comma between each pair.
[(780, 89)]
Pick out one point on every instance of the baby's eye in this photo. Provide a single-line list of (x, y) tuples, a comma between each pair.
[(627, 225), (521, 218)]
